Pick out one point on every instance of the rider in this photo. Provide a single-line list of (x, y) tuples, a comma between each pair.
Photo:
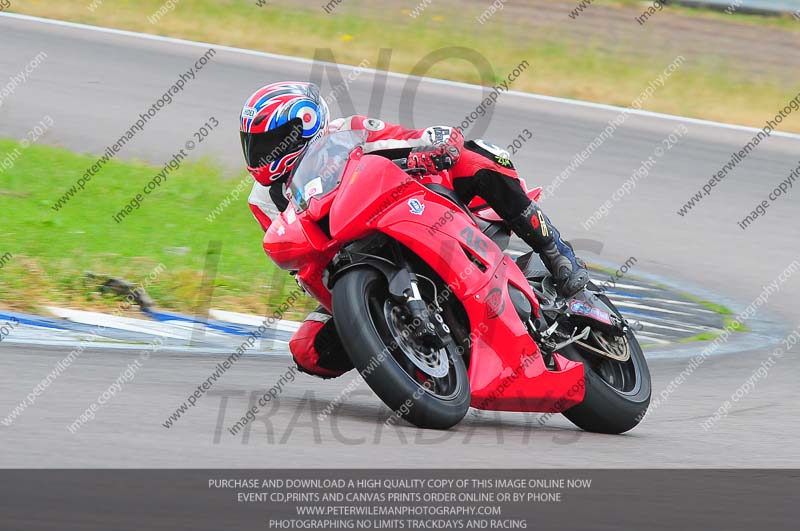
[(280, 120)]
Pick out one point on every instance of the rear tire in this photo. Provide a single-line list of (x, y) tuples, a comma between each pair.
[(358, 297), (608, 408)]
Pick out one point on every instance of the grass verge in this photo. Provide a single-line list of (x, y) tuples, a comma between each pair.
[(724, 312), (47, 254)]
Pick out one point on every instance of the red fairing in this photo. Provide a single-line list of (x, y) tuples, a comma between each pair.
[(506, 369), (370, 186), (381, 135), (296, 243)]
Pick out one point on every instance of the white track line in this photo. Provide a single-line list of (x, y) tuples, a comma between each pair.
[(650, 324), (193, 327), (695, 307), (648, 337), (684, 303), (30, 332), (654, 299), (252, 320), (686, 328), (631, 287), (125, 323), (699, 328), (623, 304), (469, 86)]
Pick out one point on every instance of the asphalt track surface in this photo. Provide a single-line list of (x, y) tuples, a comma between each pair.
[(94, 85)]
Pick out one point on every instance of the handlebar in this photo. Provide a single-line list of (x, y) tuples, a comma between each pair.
[(403, 165)]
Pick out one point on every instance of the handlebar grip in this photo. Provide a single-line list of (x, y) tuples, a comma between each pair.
[(403, 165)]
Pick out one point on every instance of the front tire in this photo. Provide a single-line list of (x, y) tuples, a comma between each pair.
[(362, 310)]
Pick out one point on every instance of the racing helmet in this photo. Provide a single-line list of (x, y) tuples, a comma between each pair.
[(278, 122)]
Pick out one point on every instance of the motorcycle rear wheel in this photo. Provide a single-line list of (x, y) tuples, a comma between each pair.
[(617, 394), (364, 314)]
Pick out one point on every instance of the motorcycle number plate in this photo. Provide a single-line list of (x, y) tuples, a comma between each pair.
[(578, 307)]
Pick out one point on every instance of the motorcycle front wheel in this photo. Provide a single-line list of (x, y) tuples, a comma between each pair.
[(426, 386)]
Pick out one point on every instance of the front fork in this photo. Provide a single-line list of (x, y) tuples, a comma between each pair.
[(430, 327)]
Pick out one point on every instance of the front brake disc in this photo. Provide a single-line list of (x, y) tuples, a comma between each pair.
[(617, 349), (431, 361)]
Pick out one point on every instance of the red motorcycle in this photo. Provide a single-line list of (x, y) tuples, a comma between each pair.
[(433, 313)]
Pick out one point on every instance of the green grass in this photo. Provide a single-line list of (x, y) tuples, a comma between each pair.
[(727, 320), (724, 311), (736, 326), (703, 336), (718, 308), (53, 251)]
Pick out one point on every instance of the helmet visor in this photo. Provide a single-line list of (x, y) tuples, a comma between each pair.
[(262, 149)]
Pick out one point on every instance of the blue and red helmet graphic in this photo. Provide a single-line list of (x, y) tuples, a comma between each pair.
[(271, 108)]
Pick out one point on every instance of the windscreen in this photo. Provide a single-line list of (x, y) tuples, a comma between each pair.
[(321, 168)]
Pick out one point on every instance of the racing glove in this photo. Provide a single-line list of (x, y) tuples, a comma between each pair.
[(436, 157)]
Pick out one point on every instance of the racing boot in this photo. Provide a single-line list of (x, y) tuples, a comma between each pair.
[(558, 256)]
